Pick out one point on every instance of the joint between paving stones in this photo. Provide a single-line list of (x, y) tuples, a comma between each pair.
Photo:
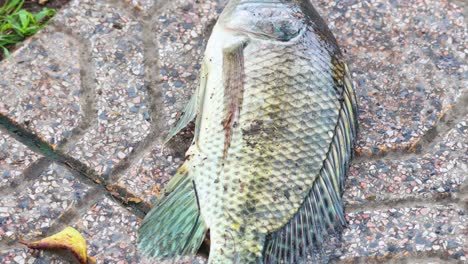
[(449, 119), (437, 256), (87, 80), (75, 211), (153, 86), (80, 171), (441, 199), (30, 174)]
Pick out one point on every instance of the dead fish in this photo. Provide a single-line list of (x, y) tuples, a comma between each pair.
[(276, 121)]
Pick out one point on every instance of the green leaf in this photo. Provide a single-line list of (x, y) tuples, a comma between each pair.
[(7, 54), (23, 16)]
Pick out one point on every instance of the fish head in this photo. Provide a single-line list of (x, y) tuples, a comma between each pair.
[(280, 20)]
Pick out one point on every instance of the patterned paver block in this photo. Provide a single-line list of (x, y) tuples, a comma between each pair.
[(14, 159), (399, 232), (110, 231), (408, 60), (116, 51), (40, 86), (28, 213), (181, 34), (182, 30), (439, 172), (147, 177)]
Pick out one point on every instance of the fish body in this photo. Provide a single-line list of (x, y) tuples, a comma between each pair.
[(276, 121)]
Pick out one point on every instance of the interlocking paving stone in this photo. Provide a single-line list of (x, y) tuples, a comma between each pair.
[(440, 171), (14, 159), (30, 211), (181, 36), (408, 60), (40, 86), (22, 255), (110, 231), (406, 230), (147, 177), (182, 30), (116, 48)]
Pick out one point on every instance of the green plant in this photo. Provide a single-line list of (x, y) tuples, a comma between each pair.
[(17, 23)]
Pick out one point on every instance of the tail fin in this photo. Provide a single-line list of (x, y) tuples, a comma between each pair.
[(173, 227)]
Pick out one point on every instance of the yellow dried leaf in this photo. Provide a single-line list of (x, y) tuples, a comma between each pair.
[(134, 199), (69, 239)]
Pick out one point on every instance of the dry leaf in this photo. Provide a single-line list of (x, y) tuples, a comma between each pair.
[(69, 239), (134, 199)]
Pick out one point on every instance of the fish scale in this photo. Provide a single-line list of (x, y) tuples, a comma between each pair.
[(274, 132), (267, 97)]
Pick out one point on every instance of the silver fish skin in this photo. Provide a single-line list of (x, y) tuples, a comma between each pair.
[(276, 122)]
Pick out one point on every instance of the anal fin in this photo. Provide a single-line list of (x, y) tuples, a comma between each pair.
[(192, 108)]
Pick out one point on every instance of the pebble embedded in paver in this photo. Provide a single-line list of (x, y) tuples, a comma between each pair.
[(41, 86), (406, 230), (110, 232), (14, 159), (141, 5), (28, 213), (408, 60), (116, 50), (439, 172)]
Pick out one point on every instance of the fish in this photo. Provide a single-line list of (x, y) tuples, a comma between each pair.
[(275, 123)]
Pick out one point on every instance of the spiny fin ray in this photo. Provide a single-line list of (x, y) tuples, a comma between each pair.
[(173, 227)]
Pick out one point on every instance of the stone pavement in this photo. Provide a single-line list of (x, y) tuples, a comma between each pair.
[(87, 102)]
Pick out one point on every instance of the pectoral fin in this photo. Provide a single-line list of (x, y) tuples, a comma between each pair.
[(192, 108)]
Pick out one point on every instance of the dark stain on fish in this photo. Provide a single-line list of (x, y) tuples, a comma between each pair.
[(233, 78)]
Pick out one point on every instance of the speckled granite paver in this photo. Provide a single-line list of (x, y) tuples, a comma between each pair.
[(27, 214), (116, 51), (90, 71), (147, 176), (30, 212), (111, 232), (408, 60), (40, 88), (438, 229), (439, 172), (14, 159), (181, 33)]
